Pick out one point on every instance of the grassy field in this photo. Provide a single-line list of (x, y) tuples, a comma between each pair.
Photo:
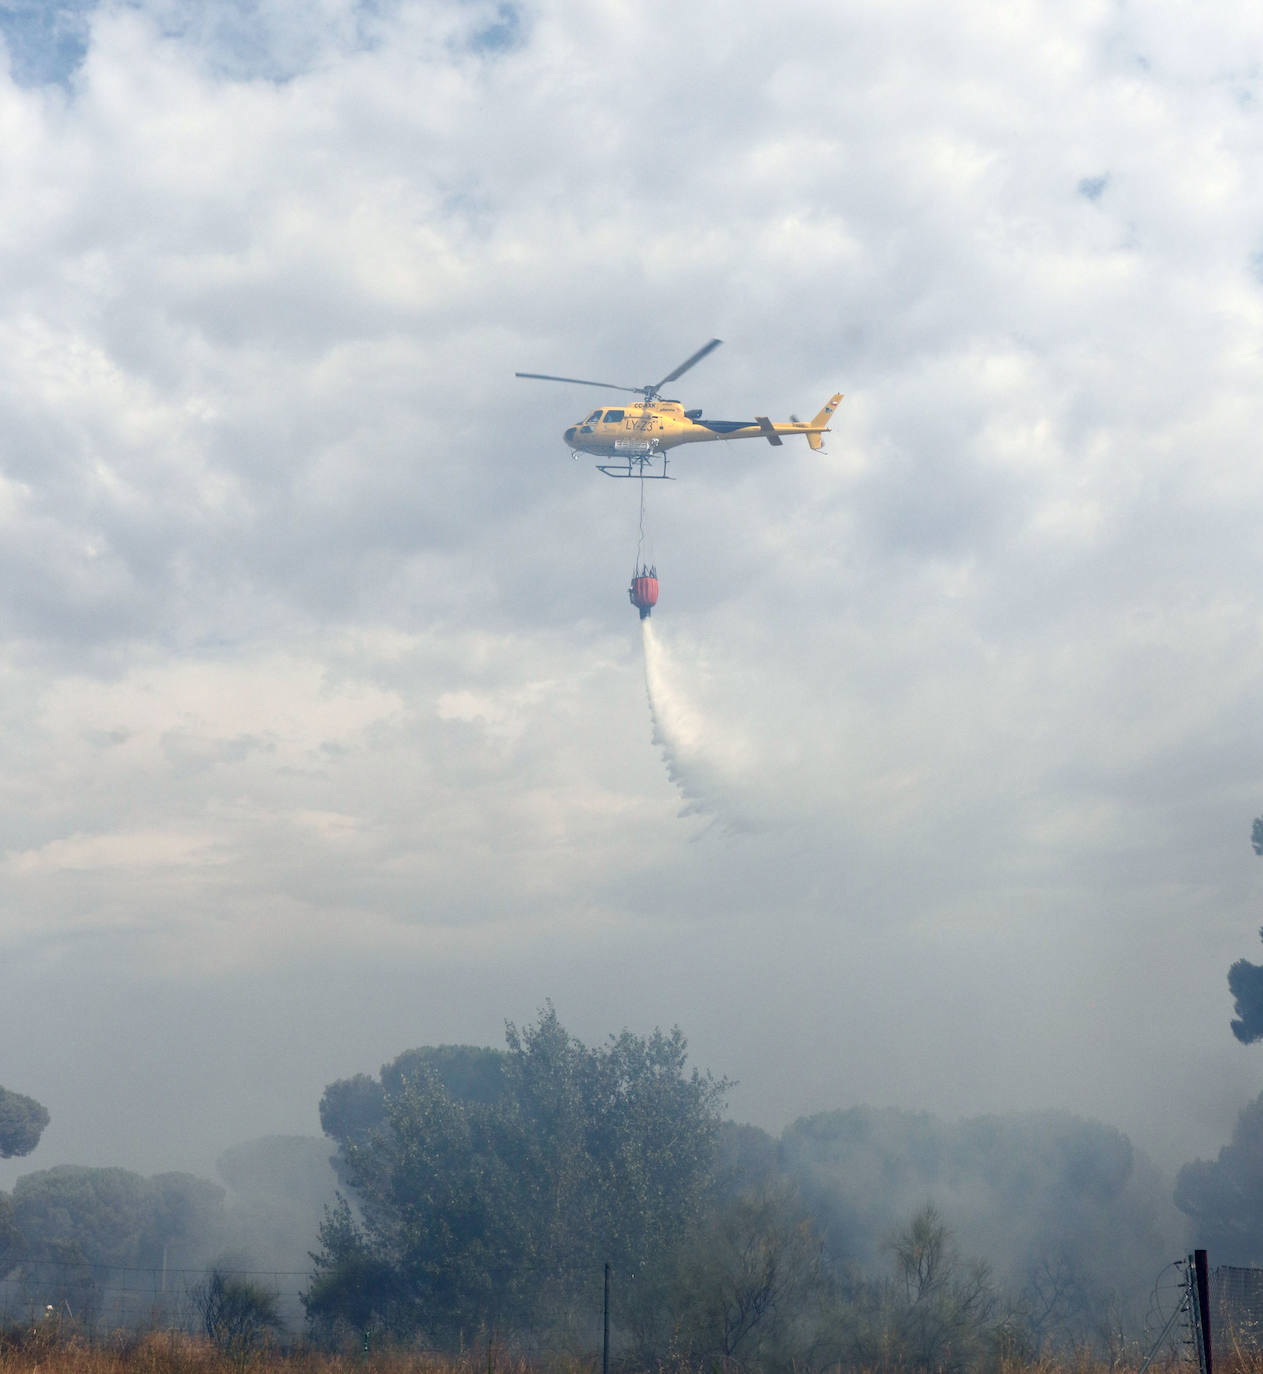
[(170, 1353), (178, 1353)]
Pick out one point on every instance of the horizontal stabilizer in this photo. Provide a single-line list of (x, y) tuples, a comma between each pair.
[(769, 430)]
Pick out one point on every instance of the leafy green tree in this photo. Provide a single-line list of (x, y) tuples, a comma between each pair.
[(943, 1304), (22, 1122), (186, 1219), (64, 1228), (937, 1314), (746, 1285), (11, 1241), (114, 1216), (615, 1146), (747, 1160), (236, 1313), (353, 1291), (469, 1073), (1224, 1196), (443, 1198), (94, 1215), (1245, 980), (441, 1235), (497, 1209), (352, 1109)]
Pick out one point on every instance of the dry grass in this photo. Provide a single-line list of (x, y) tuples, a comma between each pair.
[(23, 1352), (49, 1352)]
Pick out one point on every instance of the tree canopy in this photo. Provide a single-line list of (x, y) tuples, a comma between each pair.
[(1245, 980), (113, 1216), (492, 1190), (353, 1109), (1224, 1196), (22, 1122), (1068, 1211)]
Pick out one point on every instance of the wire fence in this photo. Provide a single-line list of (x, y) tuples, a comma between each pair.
[(100, 1300), (1236, 1305), (110, 1297)]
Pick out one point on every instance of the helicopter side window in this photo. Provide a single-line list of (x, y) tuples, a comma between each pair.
[(593, 418), (613, 417)]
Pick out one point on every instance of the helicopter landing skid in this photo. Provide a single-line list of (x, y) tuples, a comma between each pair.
[(637, 465)]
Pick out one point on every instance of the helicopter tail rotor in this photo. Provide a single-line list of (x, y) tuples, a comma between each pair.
[(820, 425)]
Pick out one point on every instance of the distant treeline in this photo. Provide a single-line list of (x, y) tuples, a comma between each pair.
[(466, 1194)]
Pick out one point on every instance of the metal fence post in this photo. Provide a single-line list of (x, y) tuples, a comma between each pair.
[(605, 1343), (1204, 1356)]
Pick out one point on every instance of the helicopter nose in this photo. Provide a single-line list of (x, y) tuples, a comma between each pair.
[(569, 435)]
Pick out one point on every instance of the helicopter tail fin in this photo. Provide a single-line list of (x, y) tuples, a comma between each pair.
[(820, 425)]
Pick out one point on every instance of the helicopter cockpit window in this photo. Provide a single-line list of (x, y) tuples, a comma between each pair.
[(593, 418), (613, 416)]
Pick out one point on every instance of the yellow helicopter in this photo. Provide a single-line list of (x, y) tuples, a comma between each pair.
[(639, 433)]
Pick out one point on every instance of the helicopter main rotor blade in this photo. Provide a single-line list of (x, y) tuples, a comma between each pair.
[(684, 367), (578, 381)]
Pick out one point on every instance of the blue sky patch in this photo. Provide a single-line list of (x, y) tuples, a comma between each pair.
[(46, 40), (502, 35)]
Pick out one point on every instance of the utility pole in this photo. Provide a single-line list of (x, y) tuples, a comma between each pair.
[(605, 1344)]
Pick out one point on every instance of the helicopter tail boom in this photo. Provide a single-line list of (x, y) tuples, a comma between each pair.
[(820, 425)]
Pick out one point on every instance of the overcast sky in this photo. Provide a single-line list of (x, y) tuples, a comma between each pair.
[(323, 712)]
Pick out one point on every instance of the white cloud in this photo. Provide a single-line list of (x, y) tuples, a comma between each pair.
[(318, 666)]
